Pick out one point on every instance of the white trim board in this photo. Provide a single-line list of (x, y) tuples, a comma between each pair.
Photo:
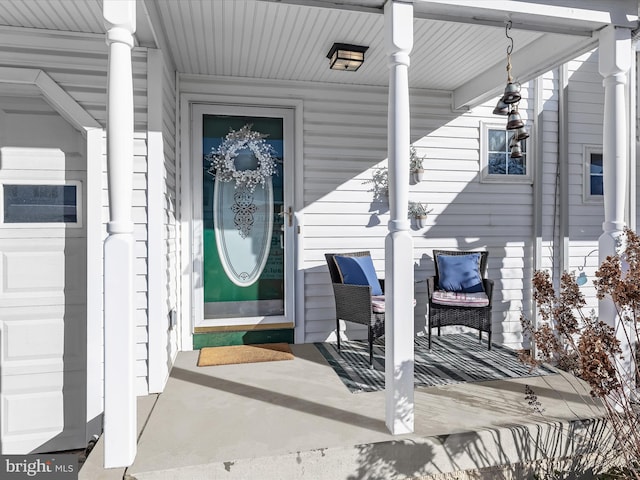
[(60, 100)]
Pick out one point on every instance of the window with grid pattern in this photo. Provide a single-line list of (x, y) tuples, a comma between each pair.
[(593, 188), (497, 164)]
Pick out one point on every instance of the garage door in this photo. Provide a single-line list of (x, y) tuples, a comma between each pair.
[(43, 280)]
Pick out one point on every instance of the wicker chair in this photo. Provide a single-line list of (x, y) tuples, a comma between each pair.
[(353, 303), (478, 317)]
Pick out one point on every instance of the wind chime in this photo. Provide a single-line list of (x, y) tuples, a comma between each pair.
[(508, 105)]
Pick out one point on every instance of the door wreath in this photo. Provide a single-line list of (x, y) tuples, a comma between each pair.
[(223, 159)]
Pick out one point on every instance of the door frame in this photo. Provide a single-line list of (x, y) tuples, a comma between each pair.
[(190, 206)]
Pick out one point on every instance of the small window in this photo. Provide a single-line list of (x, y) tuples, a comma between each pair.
[(497, 163), (595, 173), (28, 203), (593, 178)]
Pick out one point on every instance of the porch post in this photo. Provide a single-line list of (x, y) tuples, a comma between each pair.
[(119, 325), (614, 63), (399, 329)]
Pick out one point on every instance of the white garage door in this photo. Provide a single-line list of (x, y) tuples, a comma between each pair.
[(43, 280)]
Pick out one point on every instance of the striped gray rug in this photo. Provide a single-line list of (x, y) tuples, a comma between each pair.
[(454, 358)]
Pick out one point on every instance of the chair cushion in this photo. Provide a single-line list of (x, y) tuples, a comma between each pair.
[(460, 273), (377, 303), (358, 271), (459, 299)]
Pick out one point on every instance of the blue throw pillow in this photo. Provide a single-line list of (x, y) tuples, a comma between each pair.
[(358, 271), (460, 273)]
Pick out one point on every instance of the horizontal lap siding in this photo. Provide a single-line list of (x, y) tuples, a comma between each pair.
[(469, 214), (140, 235), (636, 138), (586, 107), (547, 160), (345, 141), (585, 99), (78, 64), (170, 202)]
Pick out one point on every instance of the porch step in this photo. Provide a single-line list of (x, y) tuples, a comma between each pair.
[(297, 420), (509, 452)]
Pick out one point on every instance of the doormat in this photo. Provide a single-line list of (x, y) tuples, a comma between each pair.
[(453, 358), (265, 352)]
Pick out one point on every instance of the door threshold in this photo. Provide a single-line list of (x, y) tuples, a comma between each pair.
[(244, 328), (219, 338)]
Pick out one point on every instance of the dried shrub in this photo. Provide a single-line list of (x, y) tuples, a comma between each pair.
[(587, 347)]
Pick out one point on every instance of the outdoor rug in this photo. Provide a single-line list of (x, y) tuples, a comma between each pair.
[(454, 358), (267, 352)]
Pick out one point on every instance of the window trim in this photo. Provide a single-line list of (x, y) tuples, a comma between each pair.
[(485, 177), (587, 197), (40, 225)]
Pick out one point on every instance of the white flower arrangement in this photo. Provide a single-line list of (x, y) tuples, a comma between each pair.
[(380, 181), (418, 209), (415, 165), (223, 159), (415, 162), (418, 212)]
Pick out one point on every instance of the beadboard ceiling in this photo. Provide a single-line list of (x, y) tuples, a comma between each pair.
[(459, 46)]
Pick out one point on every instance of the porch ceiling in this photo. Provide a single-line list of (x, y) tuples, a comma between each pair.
[(460, 45)]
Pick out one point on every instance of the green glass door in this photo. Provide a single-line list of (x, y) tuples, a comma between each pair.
[(242, 216)]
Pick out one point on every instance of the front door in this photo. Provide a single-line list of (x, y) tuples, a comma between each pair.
[(244, 218)]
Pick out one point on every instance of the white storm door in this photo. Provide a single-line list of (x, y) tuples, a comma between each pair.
[(243, 216)]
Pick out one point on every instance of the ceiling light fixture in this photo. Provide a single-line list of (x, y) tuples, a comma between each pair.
[(343, 56)]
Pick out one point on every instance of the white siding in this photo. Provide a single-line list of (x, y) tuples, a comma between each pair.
[(635, 137), (78, 64), (139, 215), (169, 137), (586, 107), (548, 161), (161, 178), (585, 103), (470, 214), (344, 139)]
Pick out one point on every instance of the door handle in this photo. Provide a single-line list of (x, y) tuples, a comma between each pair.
[(287, 213)]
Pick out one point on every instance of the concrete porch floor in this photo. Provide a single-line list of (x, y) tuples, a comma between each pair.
[(296, 420)]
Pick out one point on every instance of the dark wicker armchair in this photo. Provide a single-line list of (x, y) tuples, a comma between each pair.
[(353, 303), (478, 317)]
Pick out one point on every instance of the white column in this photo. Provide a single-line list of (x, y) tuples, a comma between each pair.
[(119, 326), (615, 60), (399, 329)]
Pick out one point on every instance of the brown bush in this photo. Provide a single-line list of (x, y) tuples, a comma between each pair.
[(580, 343)]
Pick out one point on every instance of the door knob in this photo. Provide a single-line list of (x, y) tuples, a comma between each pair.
[(287, 213)]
